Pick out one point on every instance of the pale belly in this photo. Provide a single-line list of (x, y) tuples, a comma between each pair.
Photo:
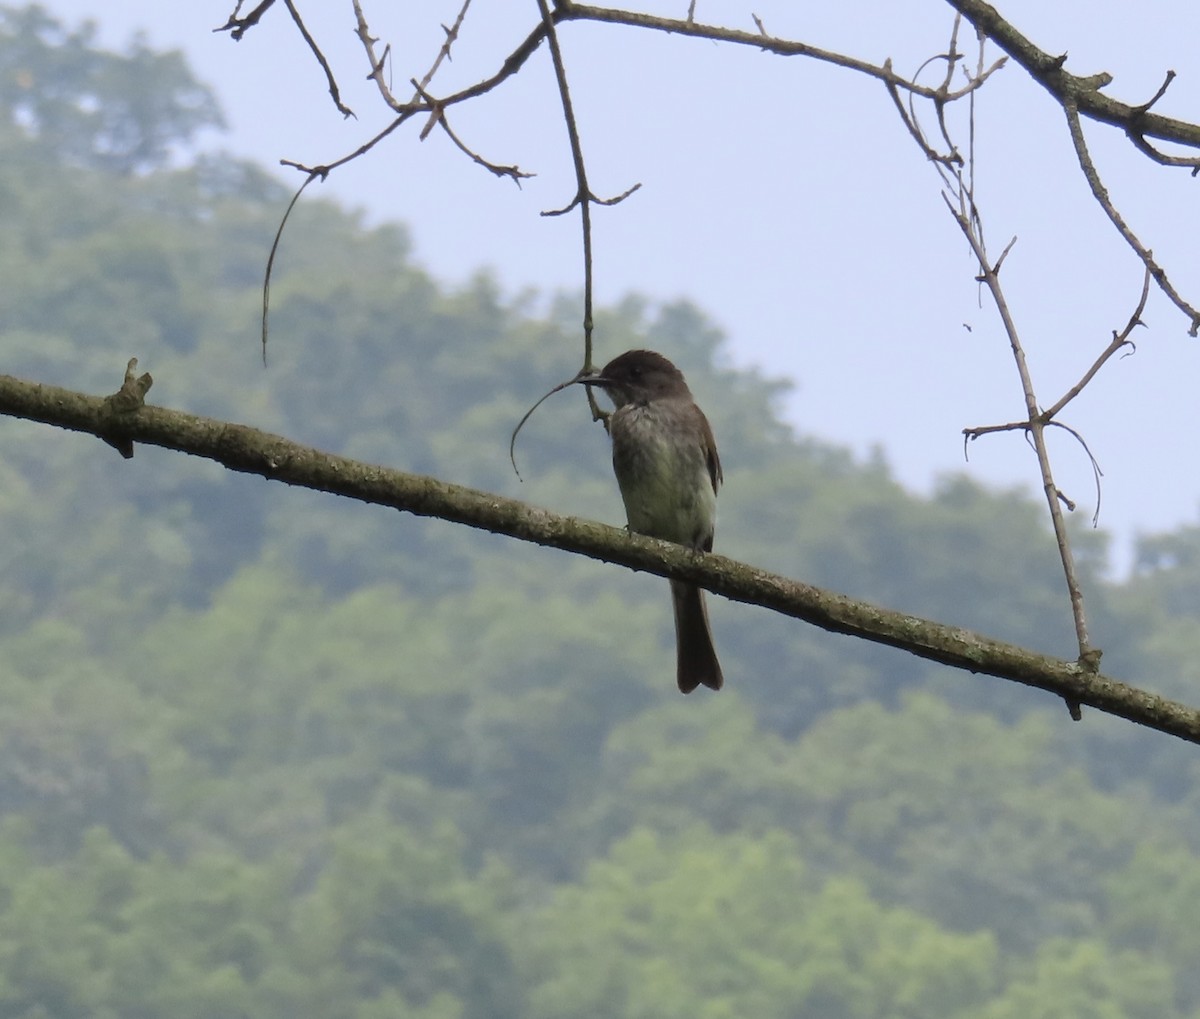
[(665, 484)]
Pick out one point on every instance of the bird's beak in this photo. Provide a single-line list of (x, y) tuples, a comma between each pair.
[(592, 378)]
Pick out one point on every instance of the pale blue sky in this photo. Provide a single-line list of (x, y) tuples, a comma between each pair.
[(786, 199)]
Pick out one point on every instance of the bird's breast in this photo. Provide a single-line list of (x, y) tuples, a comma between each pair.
[(661, 465)]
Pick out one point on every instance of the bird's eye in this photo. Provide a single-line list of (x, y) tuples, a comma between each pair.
[(636, 371)]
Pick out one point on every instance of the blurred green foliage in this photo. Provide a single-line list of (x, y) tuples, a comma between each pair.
[(266, 753)]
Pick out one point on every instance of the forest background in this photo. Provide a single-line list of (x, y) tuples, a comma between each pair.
[(268, 753)]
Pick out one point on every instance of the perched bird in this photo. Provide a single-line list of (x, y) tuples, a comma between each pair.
[(667, 467)]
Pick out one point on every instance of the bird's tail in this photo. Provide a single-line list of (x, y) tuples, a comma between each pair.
[(696, 657)]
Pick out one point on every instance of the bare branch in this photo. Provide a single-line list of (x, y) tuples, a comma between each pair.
[(326, 169), (439, 118), (1101, 195), (363, 31), (568, 10), (1119, 340), (1162, 91), (1083, 92), (592, 198), (1097, 473), (1036, 432), (250, 451), (515, 61), (909, 120), (976, 431), (334, 92), (237, 26), (583, 194), (266, 292), (444, 52), (1190, 162), (966, 214)]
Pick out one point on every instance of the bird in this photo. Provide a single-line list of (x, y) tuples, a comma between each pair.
[(665, 458)]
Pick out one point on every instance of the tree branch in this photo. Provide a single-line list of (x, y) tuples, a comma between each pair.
[(568, 10), (1085, 93), (334, 92), (583, 192), (247, 450), (1119, 341), (1100, 193), (1079, 96), (968, 219)]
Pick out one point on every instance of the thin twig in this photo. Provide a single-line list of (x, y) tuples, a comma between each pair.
[(1097, 473), (363, 31), (438, 111), (961, 202), (951, 58), (975, 431), (1071, 109), (1036, 431), (238, 26), (1139, 142), (266, 292), (515, 173), (594, 200), (910, 122), (323, 170), (334, 92), (444, 52), (583, 194), (1119, 340), (1162, 91), (568, 10), (584, 198), (405, 111)]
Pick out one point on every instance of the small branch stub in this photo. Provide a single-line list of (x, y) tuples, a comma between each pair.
[(128, 400)]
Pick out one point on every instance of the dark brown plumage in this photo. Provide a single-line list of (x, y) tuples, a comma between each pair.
[(668, 470)]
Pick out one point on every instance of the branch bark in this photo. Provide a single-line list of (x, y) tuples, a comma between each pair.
[(248, 450), (1066, 87)]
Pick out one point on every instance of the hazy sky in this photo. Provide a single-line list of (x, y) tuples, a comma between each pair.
[(785, 197)]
